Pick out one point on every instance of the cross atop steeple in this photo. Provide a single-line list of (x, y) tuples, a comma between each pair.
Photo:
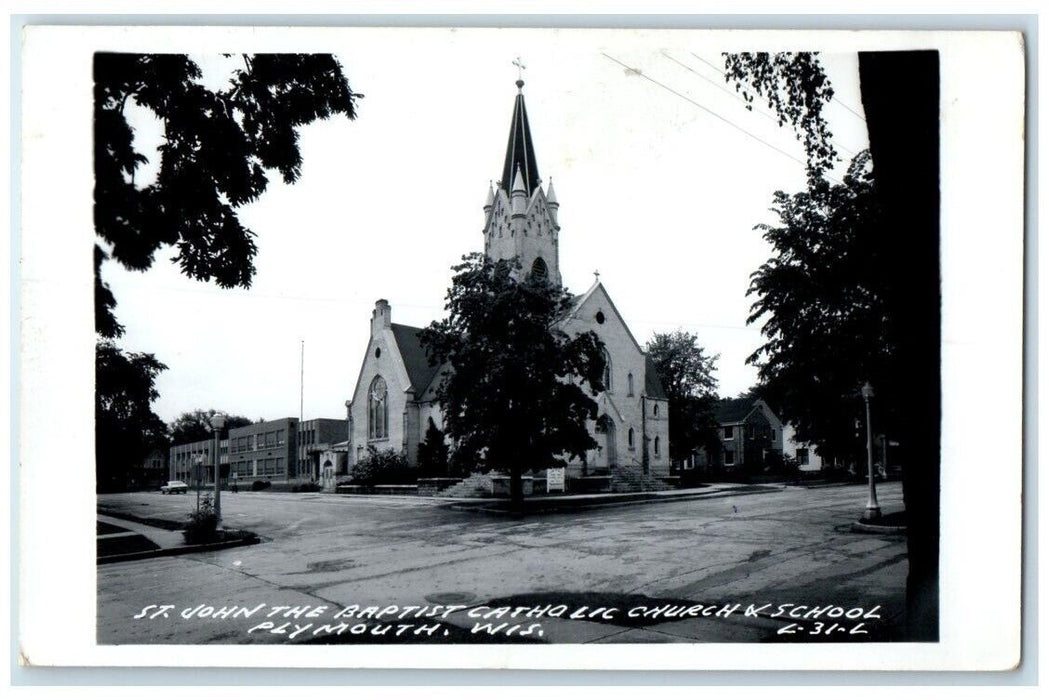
[(520, 67)]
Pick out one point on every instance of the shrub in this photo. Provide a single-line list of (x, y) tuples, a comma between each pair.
[(203, 523), (260, 485), (305, 487), (382, 467)]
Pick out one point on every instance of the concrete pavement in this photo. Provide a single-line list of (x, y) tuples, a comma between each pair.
[(781, 549)]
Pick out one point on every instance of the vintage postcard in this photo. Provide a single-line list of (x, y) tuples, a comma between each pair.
[(521, 348)]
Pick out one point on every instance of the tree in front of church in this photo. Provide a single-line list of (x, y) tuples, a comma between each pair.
[(433, 452), (687, 373), (518, 391)]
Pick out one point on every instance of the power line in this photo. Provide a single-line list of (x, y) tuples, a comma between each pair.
[(860, 116), (743, 100), (671, 90)]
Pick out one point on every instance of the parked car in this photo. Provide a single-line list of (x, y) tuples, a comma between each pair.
[(175, 487)]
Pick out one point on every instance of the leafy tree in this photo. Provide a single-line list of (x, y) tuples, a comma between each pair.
[(125, 427), (433, 452), (217, 150), (795, 87), (687, 373), (900, 92), (193, 426), (514, 394), (218, 146), (822, 299)]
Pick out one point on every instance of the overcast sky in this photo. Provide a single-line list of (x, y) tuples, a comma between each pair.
[(660, 192)]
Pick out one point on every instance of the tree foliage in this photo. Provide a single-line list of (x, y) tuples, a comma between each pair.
[(433, 452), (218, 146), (795, 87), (687, 373), (126, 429), (382, 467), (821, 300), (515, 390), (194, 426)]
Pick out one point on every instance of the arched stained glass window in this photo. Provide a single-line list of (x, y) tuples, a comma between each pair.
[(378, 410)]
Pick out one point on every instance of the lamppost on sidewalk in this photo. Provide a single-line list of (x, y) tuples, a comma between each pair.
[(217, 421), (873, 511)]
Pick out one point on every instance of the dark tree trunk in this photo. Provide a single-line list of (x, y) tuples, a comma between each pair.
[(516, 489), (901, 98)]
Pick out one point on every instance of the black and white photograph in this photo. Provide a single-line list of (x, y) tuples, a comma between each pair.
[(497, 342)]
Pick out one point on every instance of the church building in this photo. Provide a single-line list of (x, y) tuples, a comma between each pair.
[(396, 388)]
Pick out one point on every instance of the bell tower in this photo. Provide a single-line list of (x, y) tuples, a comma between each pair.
[(520, 218)]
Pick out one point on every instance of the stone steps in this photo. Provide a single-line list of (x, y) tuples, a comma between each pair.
[(473, 486), (631, 479)]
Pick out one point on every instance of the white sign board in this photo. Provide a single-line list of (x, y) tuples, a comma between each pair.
[(555, 479)]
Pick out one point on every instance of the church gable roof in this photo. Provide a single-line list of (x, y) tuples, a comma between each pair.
[(413, 355), (579, 301)]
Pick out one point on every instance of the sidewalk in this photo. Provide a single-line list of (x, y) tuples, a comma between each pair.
[(146, 541), (165, 539)]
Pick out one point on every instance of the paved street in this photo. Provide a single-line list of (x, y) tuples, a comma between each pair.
[(789, 546)]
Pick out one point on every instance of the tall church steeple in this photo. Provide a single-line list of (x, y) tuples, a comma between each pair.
[(520, 154), (520, 219)]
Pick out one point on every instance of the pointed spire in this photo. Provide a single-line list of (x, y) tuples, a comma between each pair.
[(520, 154), (518, 197), (551, 196), (519, 185), (490, 200)]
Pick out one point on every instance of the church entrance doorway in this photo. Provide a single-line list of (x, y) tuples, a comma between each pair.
[(327, 475), (606, 443)]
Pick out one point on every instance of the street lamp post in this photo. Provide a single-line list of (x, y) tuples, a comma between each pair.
[(872, 511), (198, 461), (217, 421)]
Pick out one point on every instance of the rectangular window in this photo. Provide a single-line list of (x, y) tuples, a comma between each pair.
[(803, 456), (280, 437), (729, 432), (730, 458)]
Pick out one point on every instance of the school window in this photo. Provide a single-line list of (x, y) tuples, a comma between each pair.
[(655, 410), (630, 438), (630, 384), (803, 456), (656, 446), (729, 432), (730, 457)]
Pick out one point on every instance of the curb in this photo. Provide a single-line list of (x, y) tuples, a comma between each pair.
[(175, 551), (871, 529), (496, 507)]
